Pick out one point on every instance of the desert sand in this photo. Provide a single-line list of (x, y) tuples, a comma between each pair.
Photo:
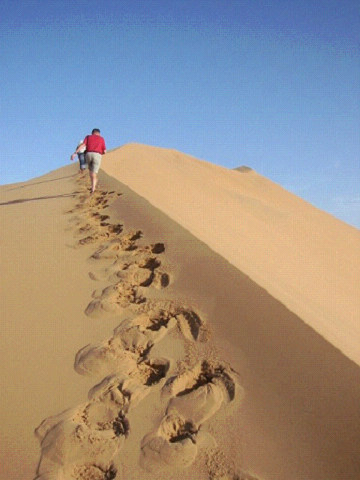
[(186, 321)]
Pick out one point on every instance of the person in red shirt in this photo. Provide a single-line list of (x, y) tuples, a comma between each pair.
[(95, 148)]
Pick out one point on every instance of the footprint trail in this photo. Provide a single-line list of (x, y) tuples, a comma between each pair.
[(85, 442)]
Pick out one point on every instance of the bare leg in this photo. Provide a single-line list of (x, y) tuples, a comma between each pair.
[(94, 181)]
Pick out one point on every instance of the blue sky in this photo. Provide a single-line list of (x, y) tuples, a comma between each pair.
[(274, 85)]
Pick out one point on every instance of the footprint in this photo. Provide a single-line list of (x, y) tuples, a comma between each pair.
[(132, 264), (126, 392), (191, 325), (126, 351), (71, 444), (151, 327), (87, 438), (127, 292), (167, 314), (100, 232), (156, 323), (202, 375), (125, 243), (156, 279), (104, 359), (174, 445), (167, 449), (196, 396), (158, 248), (100, 217), (115, 299), (141, 275), (86, 228), (152, 371), (135, 275)]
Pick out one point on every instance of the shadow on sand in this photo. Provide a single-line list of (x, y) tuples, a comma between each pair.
[(23, 200), (38, 183)]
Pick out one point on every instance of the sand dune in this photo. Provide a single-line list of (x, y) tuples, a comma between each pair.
[(178, 323), (307, 259)]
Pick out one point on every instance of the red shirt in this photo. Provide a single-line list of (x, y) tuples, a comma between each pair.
[(95, 143)]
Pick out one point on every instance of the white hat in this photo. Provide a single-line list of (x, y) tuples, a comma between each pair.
[(81, 141)]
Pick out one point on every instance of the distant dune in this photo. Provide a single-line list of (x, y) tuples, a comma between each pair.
[(243, 169), (184, 322)]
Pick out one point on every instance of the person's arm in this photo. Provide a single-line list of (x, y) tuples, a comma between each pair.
[(76, 151), (73, 155)]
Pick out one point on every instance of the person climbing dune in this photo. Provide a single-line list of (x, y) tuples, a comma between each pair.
[(95, 148), (81, 156)]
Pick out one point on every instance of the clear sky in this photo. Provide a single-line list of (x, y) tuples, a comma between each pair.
[(274, 85)]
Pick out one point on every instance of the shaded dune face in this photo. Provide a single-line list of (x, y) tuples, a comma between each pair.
[(302, 256), (85, 442)]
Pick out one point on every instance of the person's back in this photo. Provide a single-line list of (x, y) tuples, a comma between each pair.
[(95, 143)]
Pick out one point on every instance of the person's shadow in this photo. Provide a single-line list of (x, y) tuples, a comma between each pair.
[(23, 200), (38, 183)]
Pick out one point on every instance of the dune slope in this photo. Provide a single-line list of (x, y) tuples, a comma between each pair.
[(134, 350), (302, 256)]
